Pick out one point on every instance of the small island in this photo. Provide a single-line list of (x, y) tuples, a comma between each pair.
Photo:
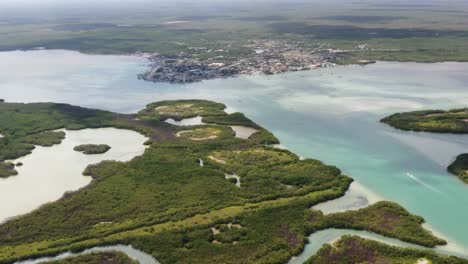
[(92, 149), (440, 121), (7, 169), (460, 167)]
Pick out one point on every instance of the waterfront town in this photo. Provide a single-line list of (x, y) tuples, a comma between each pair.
[(260, 57)]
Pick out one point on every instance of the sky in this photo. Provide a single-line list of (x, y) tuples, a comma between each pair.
[(44, 9)]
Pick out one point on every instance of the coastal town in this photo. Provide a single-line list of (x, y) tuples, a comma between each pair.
[(261, 57)]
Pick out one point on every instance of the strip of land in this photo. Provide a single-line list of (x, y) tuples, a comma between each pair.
[(439, 121), (353, 249), (110, 257)]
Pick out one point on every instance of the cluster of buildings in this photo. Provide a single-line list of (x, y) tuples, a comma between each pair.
[(262, 57)]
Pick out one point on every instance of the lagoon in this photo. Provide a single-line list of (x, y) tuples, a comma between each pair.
[(48, 172), (328, 114)]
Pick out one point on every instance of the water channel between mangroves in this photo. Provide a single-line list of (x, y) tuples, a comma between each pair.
[(328, 114)]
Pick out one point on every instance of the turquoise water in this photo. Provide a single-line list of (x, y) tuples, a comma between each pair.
[(329, 114)]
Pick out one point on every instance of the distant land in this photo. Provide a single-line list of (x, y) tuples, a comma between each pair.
[(245, 38)]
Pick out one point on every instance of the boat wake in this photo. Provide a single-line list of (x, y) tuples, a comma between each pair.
[(428, 186)]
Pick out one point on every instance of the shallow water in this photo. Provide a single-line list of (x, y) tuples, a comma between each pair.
[(193, 121), (233, 176), (140, 256), (328, 114), (49, 172), (243, 132), (356, 197)]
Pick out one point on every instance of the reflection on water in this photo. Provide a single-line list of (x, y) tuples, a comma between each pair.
[(315, 114)]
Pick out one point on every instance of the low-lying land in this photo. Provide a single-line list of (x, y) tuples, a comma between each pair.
[(451, 121), (261, 57), (247, 37), (90, 149), (166, 204), (45, 139), (203, 133), (179, 110), (460, 167), (353, 249), (27, 125), (7, 169), (111, 257), (385, 218)]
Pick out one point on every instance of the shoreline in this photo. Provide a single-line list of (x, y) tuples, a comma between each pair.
[(76, 162), (258, 72), (356, 197)]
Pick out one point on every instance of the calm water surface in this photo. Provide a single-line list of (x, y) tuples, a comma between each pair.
[(328, 114), (48, 172), (141, 257)]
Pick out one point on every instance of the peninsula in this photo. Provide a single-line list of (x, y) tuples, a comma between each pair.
[(460, 167), (439, 121)]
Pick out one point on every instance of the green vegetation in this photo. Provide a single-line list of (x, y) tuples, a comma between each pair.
[(211, 112), (460, 167), (353, 249), (111, 257), (452, 121), (388, 219), (228, 233), (253, 157), (440, 121), (262, 136), (404, 33), (265, 235), (90, 149), (181, 109), (166, 204), (7, 169), (26, 125), (45, 139), (237, 119), (205, 133)]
